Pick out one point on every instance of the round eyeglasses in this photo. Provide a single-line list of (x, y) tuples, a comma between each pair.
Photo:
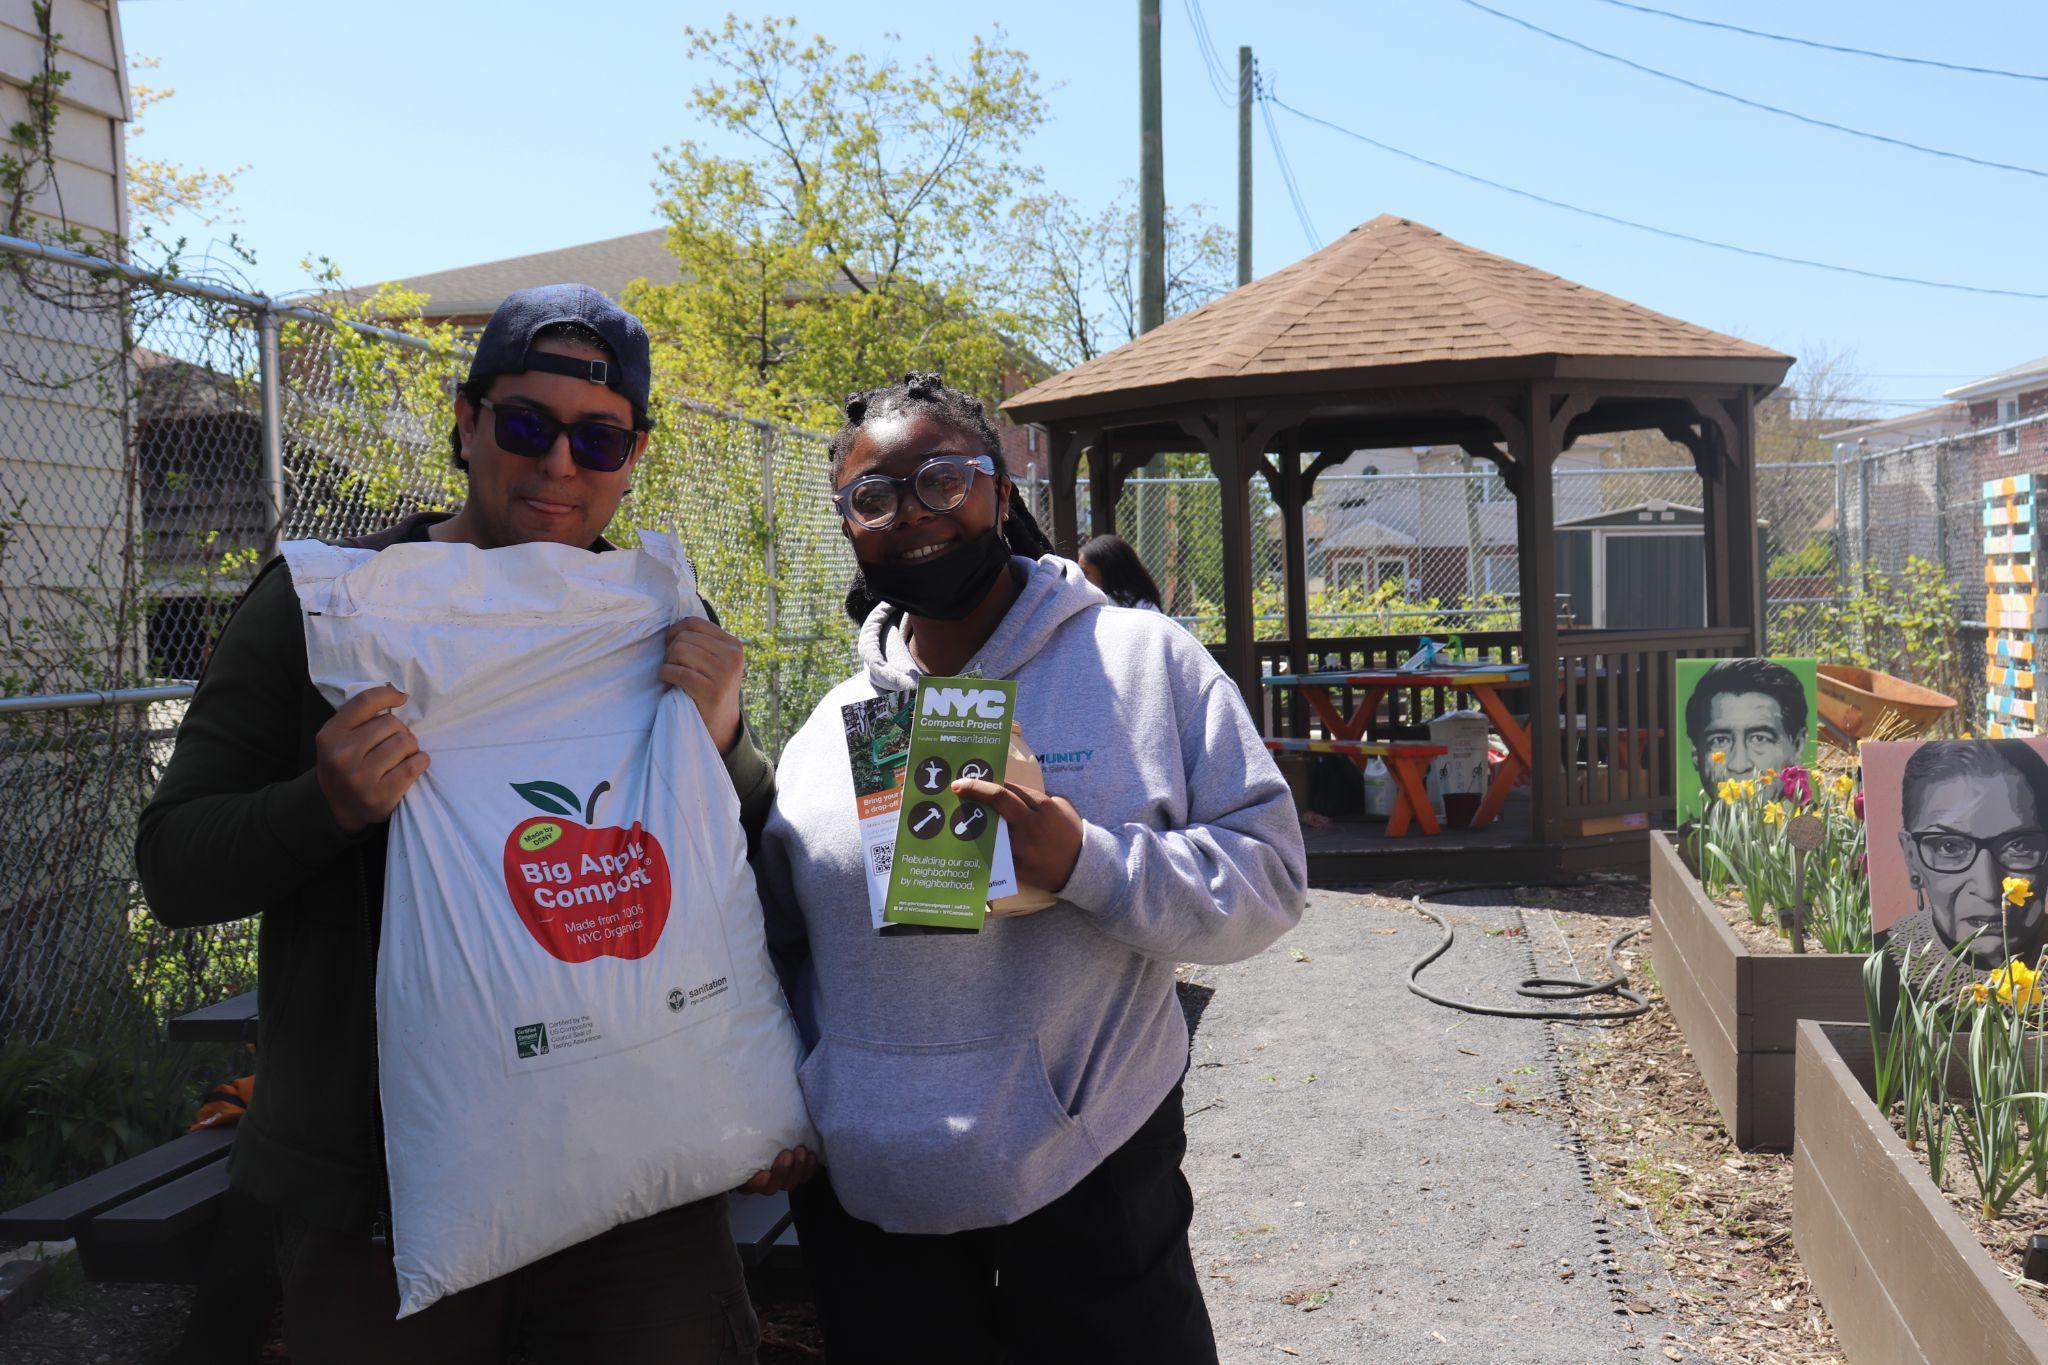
[(874, 501), (1945, 850)]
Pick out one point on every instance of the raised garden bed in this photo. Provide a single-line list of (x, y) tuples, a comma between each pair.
[(1901, 1275), (1739, 1008)]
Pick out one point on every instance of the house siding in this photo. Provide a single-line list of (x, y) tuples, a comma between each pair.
[(65, 500)]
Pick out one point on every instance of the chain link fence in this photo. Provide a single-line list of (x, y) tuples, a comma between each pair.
[(162, 437), (1405, 542)]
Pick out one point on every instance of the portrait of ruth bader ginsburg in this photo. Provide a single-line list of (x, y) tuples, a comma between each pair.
[(1969, 819)]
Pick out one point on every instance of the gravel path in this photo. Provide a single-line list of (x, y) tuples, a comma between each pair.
[(1368, 1183)]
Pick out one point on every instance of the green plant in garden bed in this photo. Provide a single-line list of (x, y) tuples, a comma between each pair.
[(69, 1110), (1742, 845), (1997, 1024)]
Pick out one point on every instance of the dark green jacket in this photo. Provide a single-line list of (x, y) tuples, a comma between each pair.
[(239, 827)]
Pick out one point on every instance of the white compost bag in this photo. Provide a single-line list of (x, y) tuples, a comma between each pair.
[(577, 1022)]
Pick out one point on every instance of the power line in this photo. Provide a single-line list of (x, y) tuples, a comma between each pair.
[(1212, 65), (1287, 174), (1748, 103), (1531, 195), (1830, 47)]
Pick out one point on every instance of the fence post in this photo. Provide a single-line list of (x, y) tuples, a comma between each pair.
[(771, 604), (1941, 509), (1863, 458), (271, 378)]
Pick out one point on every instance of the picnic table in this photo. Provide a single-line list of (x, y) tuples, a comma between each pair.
[(1407, 763), (231, 1021), (1485, 683)]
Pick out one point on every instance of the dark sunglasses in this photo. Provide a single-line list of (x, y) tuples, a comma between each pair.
[(874, 501), (530, 432)]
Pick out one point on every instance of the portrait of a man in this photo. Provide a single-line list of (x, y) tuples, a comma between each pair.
[(1744, 718), (1973, 831)]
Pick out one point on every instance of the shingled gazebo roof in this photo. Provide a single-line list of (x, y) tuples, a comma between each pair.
[(1395, 303)]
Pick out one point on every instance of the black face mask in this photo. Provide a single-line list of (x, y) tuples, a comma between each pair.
[(945, 587)]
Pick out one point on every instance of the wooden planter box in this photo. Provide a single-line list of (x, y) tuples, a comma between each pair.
[(1901, 1275), (1739, 1009)]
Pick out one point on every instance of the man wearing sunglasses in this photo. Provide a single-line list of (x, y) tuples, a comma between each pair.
[(276, 805)]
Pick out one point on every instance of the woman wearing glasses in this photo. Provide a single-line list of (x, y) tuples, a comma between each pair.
[(1002, 1110), (1973, 816)]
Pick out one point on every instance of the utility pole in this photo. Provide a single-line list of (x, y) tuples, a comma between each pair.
[(1151, 175), (1244, 165)]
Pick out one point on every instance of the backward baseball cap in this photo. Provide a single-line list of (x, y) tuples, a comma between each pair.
[(506, 345)]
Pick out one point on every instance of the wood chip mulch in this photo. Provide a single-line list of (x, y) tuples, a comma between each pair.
[(1721, 1219)]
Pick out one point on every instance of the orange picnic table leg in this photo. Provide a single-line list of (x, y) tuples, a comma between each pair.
[(1411, 797), (1341, 727), (1513, 766)]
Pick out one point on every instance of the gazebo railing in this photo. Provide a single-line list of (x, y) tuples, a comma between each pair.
[(1617, 715), (1616, 708)]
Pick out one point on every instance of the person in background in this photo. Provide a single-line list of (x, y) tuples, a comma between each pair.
[(1113, 566), (1001, 1110)]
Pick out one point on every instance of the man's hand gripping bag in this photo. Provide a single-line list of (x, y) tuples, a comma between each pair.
[(577, 1022)]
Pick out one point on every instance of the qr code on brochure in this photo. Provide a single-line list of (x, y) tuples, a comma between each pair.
[(883, 855)]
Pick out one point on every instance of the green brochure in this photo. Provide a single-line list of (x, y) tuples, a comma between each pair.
[(945, 845)]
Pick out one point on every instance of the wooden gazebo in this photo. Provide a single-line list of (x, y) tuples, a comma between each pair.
[(1395, 335)]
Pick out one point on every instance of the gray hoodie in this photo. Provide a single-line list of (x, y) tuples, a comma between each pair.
[(965, 1080)]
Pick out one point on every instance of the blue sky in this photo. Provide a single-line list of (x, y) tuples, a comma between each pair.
[(402, 138)]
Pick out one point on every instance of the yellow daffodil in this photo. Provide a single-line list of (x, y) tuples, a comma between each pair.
[(1770, 774), (1728, 790), (1717, 757), (2017, 985), (1774, 813), (1979, 994), (2018, 890), (1844, 786), (1749, 786)]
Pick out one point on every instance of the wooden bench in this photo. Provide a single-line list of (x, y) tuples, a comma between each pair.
[(1407, 762), (143, 1220), (150, 1219)]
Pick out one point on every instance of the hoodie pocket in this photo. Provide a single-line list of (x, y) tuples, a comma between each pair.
[(941, 1137)]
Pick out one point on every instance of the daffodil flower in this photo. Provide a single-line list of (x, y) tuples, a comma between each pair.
[(1717, 757), (1774, 813), (1843, 786), (1728, 790), (2018, 890), (2016, 984)]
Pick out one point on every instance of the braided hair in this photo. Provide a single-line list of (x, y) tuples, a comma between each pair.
[(925, 393)]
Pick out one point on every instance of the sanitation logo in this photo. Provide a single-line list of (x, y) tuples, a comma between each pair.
[(581, 892)]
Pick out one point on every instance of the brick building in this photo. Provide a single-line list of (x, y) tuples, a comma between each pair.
[(2008, 396)]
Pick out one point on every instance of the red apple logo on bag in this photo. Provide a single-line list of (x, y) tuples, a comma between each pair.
[(581, 892)]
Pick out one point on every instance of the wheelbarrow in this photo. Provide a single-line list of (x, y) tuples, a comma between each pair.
[(1861, 703)]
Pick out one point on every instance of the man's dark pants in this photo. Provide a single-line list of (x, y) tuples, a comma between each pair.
[(666, 1290), (1101, 1273)]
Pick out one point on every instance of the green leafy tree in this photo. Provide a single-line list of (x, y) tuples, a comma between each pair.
[(852, 241)]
